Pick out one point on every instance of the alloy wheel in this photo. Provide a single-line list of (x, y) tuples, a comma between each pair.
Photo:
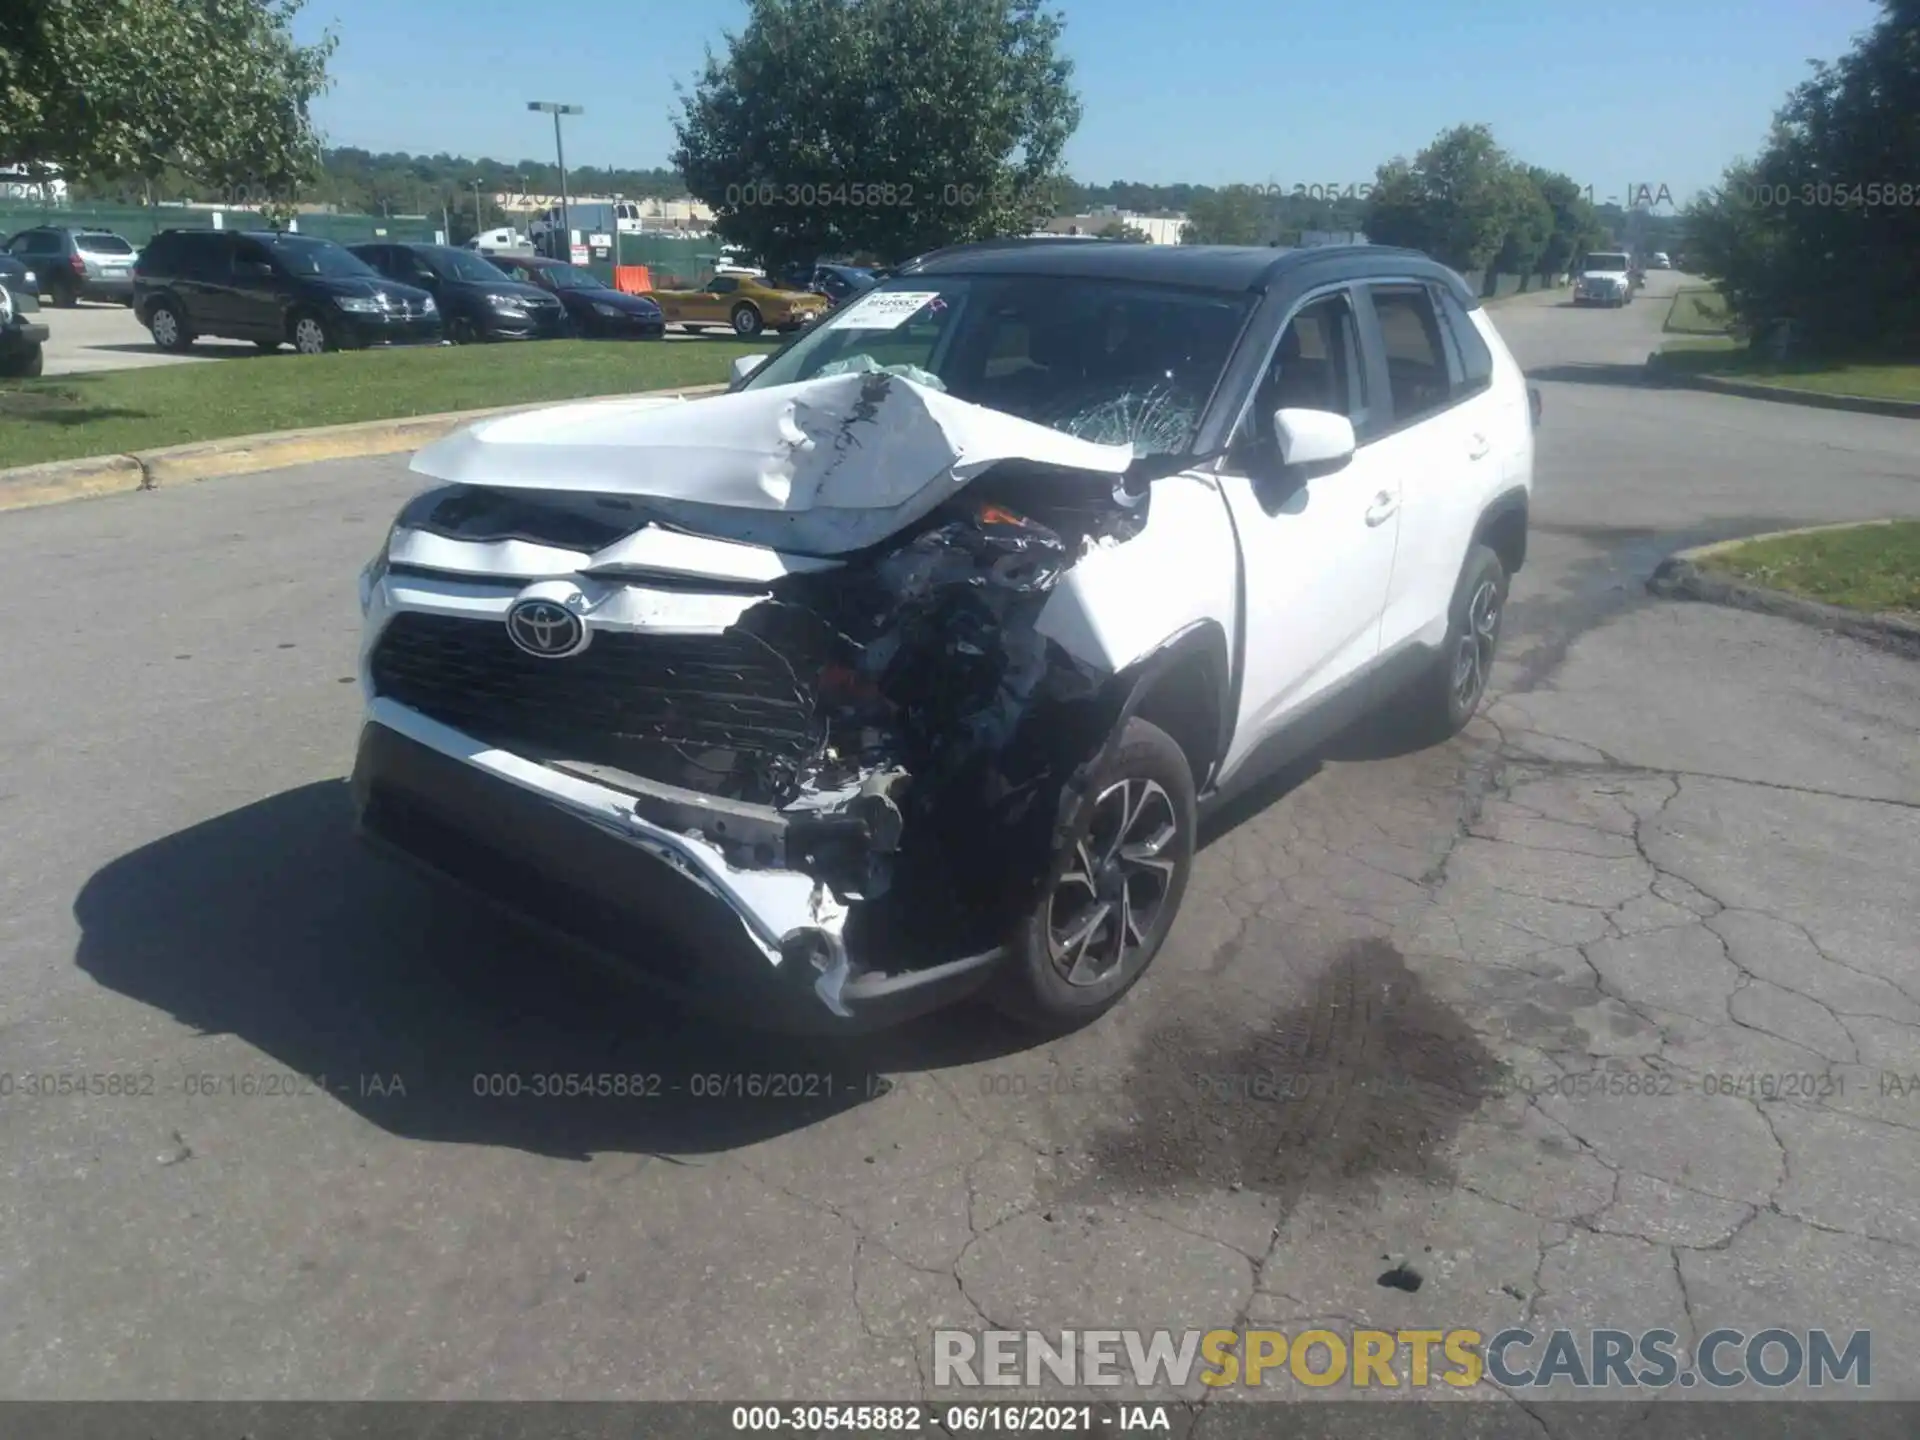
[(1473, 661), (1107, 904)]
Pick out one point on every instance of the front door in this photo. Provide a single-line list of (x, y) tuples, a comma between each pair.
[(1318, 556)]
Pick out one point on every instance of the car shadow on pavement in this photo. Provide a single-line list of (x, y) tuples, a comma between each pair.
[(272, 923)]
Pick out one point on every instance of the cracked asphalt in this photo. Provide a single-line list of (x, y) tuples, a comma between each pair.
[(1679, 852)]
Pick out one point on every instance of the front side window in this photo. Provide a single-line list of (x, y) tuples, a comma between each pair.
[(1316, 365), (1418, 377), (1108, 361)]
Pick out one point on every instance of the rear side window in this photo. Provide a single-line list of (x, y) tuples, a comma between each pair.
[(1419, 378), (1476, 359)]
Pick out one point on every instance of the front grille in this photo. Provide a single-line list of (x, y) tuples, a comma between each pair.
[(738, 703)]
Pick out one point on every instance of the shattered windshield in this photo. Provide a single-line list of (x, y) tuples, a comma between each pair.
[(1108, 362)]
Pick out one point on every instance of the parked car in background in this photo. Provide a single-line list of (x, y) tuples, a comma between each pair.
[(1091, 540), (22, 337), (595, 310), (274, 289), (841, 283), (746, 303), (75, 265), (1661, 260), (1604, 277), (477, 301)]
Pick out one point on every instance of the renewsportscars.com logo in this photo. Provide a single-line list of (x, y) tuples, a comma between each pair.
[(1362, 1359)]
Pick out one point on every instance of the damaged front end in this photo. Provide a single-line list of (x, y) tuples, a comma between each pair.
[(864, 755)]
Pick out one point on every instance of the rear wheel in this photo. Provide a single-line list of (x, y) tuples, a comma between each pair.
[(1113, 890), (169, 327), (1448, 696), (64, 293), (24, 364)]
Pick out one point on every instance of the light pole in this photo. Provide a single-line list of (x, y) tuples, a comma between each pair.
[(477, 226), (555, 109)]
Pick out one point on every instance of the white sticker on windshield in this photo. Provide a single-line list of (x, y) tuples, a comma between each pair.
[(887, 310)]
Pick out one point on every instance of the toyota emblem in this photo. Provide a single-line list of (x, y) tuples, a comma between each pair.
[(546, 629)]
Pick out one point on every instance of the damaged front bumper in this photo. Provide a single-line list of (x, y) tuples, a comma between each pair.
[(608, 869)]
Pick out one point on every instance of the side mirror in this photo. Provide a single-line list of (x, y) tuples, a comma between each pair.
[(1313, 437), (744, 367)]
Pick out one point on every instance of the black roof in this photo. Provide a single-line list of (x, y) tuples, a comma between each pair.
[(1227, 268)]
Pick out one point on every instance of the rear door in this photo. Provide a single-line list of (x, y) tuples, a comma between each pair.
[(203, 280), (1441, 441)]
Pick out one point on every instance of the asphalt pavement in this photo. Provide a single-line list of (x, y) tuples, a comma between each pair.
[(1683, 845)]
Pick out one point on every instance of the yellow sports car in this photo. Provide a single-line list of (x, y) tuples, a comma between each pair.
[(745, 303)]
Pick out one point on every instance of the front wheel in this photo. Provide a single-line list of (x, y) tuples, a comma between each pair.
[(1112, 891), (311, 335), (746, 321), (1449, 695)]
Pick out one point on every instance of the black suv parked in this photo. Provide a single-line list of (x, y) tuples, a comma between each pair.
[(22, 337), (274, 288), (75, 265), (477, 301)]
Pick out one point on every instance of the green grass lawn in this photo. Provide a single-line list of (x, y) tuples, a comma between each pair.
[(1863, 567), (1697, 311), (116, 411), (1731, 360)]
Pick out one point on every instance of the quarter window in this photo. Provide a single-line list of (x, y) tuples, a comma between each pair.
[(1476, 359), (1419, 378)]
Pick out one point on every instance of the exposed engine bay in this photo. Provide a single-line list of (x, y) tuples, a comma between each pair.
[(883, 697)]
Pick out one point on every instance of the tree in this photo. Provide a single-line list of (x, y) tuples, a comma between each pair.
[(1457, 199), (890, 126), (1822, 228), (1121, 230), (1529, 226), (1235, 215), (1575, 227), (216, 90)]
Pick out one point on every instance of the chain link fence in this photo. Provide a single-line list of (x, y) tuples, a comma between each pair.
[(139, 223)]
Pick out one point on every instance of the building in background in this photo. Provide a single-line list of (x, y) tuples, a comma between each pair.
[(1159, 229), (17, 183)]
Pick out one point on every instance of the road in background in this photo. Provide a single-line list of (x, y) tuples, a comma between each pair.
[(1684, 842)]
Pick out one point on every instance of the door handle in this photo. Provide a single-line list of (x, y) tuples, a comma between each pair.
[(1382, 508), (1478, 448)]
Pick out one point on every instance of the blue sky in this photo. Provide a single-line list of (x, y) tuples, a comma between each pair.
[(1613, 92)]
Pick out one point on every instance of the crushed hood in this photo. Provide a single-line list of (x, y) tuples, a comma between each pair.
[(821, 467)]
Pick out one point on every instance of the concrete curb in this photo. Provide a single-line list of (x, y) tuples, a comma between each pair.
[(1682, 577), (1781, 394), (29, 486)]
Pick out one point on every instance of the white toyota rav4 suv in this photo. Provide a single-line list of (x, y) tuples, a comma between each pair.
[(910, 666)]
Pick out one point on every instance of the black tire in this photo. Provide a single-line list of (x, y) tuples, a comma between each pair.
[(461, 331), (1149, 772), (311, 334), (267, 347), (24, 364), (694, 329), (169, 327), (747, 321), (64, 294), (1442, 702)]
